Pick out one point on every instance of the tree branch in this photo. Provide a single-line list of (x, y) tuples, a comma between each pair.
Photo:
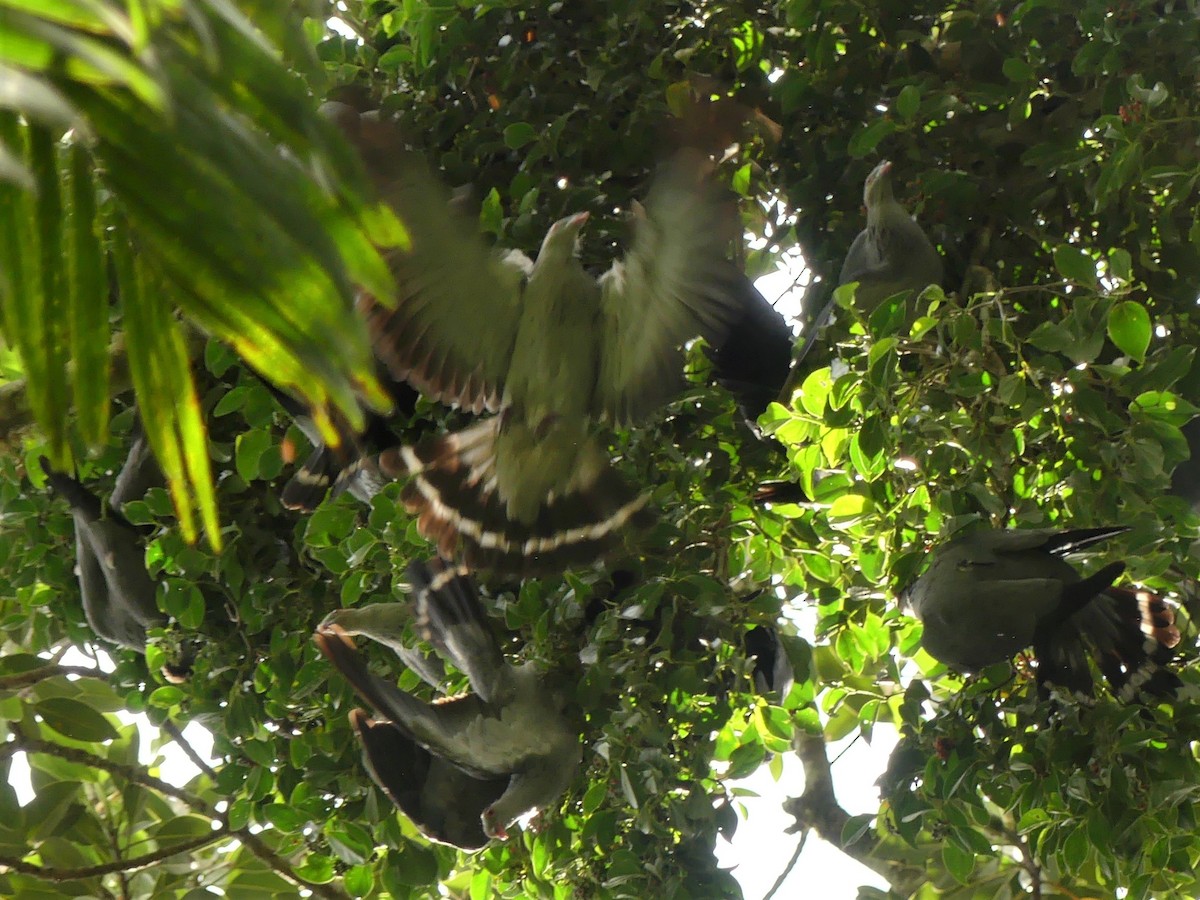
[(1028, 861), (817, 809), (787, 870), (41, 673), (259, 848), (253, 842), (50, 873), (132, 774)]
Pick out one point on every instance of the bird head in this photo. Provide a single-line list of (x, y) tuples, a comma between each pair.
[(492, 826), (563, 237), (877, 189)]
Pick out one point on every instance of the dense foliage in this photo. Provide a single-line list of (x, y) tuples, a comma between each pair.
[(1048, 149)]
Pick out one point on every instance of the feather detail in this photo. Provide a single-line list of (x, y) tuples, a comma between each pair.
[(453, 491)]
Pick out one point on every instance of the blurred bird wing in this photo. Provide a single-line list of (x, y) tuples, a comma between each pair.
[(458, 303), (752, 362), (674, 283)]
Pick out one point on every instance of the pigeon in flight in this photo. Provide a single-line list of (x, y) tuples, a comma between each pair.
[(556, 354)]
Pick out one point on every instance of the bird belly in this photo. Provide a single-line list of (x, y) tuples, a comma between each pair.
[(547, 397)]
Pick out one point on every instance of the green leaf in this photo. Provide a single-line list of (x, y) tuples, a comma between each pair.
[(960, 863), (1017, 69), (867, 139), (1120, 265), (1075, 265), (359, 880), (166, 696), (908, 103), (75, 720), (1129, 327), (518, 134), (316, 868)]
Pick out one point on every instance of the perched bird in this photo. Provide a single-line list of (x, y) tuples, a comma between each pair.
[(110, 556), (555, 352), (772, 669), (892, 254), (462, 768), (753, 360), (992, 592)]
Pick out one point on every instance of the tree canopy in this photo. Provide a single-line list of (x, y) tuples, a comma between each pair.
[(165, 178)]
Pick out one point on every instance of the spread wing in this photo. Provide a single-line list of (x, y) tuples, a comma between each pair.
[(674, 283), (458, 303)]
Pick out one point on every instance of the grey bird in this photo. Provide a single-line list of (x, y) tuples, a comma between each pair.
[(773, 672), (992, 592), (892, 254), (118, 593), (463, 768), (560, 356)]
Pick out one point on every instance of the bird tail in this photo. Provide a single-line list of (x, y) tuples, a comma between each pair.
[(453, 492), (307, 488), (447, 613), (1137, 648), (1131, 633), (404, 769), (780, 492), (394, 760)]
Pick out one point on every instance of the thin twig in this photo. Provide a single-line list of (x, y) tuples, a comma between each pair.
[(176, 735), (787, 870), (1027, 859), (259, 848)]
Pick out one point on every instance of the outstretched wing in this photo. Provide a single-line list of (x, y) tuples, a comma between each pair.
[(451, 333), (674, 283)]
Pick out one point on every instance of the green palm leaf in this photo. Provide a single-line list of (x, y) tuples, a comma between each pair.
[(174, 139)]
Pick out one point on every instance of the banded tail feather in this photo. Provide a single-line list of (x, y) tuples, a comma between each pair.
[(351, 466), (452, 491), (1137, 660)]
